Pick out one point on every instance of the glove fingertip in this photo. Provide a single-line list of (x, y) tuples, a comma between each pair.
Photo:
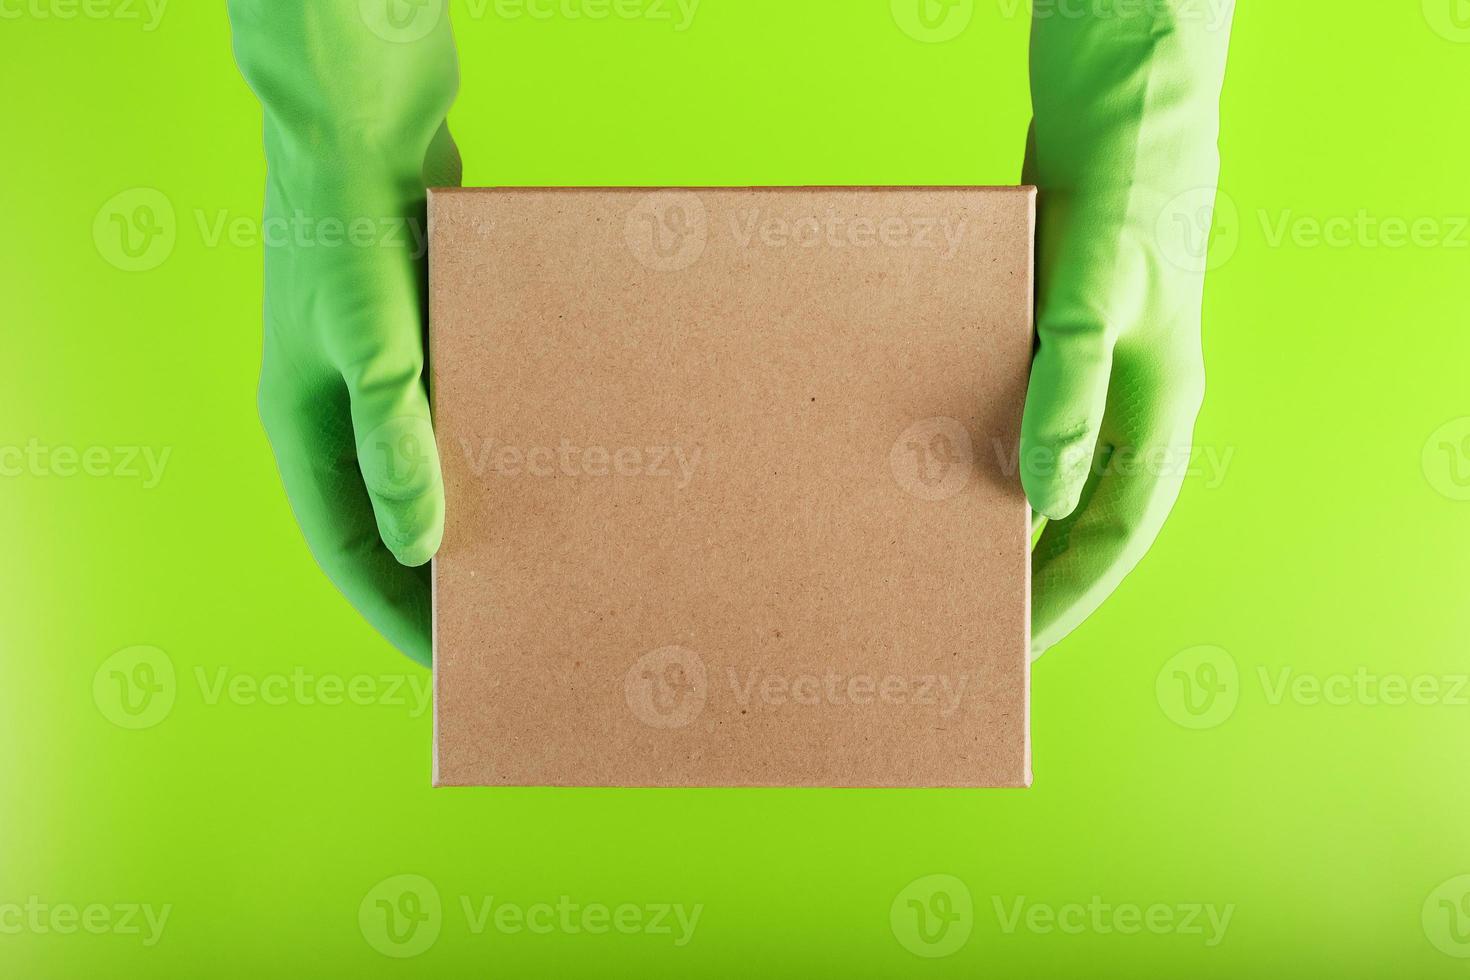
[(1053, 490), (416, 553), (1054, 502), (411, 529)]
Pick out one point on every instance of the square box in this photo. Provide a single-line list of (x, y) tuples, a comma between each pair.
[(732, 486)]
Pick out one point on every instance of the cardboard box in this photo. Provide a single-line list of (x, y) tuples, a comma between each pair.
[(732, 486)]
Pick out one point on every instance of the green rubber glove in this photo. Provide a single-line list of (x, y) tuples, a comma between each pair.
[(1123, 150), (354, 132)]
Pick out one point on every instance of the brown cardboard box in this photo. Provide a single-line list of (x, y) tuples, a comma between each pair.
[(732, 486)]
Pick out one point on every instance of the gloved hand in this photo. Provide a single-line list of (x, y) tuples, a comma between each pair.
[(354, 132), (1123, 152)]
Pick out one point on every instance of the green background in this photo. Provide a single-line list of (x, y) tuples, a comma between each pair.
[(1338, 539)]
